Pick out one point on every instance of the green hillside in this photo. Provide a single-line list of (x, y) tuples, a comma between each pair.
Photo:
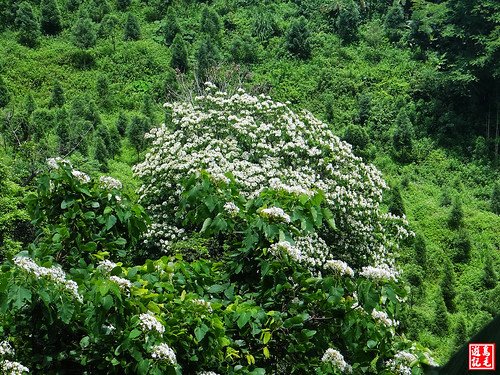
[(413, 86)]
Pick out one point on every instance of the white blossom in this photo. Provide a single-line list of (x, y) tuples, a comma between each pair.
[(5, 349), (12, 368), (203, 303), (149, 322), (122, 283), (379, 273), (382, 317), (54, 274), (275, 213), (335, 358), (54, 163), (80, 176), (401, 363), (106, 266), (339, 267), (164, 353), (286, 247), (110, 183), (231, 209), (207, 373)]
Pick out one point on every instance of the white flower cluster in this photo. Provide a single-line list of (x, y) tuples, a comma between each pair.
[(207, 373), (106, 266), (54, 163), (5, 349), (264, 144), (148, 322), (12, 368), (275, 213), (54, 274), (381, 273), (339, 267), (165, 353), (286, 247), (203, 303), (80, 176), (337, 360), (401, 363), (122, 283), (382, 317), (231, 209), (110, 183)]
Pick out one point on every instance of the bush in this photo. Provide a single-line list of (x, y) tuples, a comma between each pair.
[(297, 39), (456, 217), (462, 246)]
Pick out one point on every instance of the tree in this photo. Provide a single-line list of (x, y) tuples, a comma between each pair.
[(62, 130), (115, 145), (448, 287), (171, 28), (244, 50), (265, 26), (441, 321), (329, 114), (210, 23), (364, 108), (394, 22), (347, 21), (462, 246), (101, 155), (179, 54), (57, 99), (4, 93), (206, 57), (460, 332), (84, 35), (29, 104), (123, 4), (358, 138), (456, 217), (50, 21), (148, 109), (396, 205), (109, 27), (494, 201), (122, 124), (27, 25), (297, 39), (420, 248), (103, 93), (481, 149), (137, 129), (402, 138), (132, 30), (490, 277)]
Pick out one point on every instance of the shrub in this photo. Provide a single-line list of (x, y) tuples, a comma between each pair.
[(50, 17), (132, 29), (456, 217), (297, 39), (179, 54), (27, 25), (495, 199)]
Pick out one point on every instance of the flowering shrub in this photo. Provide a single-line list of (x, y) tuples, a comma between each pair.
[(260, 144), (278, 293)]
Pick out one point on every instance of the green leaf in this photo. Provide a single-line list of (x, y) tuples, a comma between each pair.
[(134, 334), (107, 302), (206, 224), (111, 220), (66, 311), (85, 341), (200, 332), (19, 295), (327, 213), (371, 344), (243, 319), (217, 288)]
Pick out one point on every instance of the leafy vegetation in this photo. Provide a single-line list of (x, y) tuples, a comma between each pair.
[(412, 86)]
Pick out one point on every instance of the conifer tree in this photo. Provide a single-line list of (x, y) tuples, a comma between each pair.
[(132, 29), (206, 58), (210, 23), (402, 139), (364, 108), (490, 277), (347, 21), (27, 25), (103, 92), (329, 114), (358, 138), (441, 321), (123, 4), (115, 141), (420, 250), (448, 286), (84, 35), (171, 28), (179, 54), (50, 21), (394, 22), (57, 99), (297, 39), (243, 50), (396, 205), (495, 199), (136, 133), (460, 332), (109, 27), (456, 217), (148, 109), (122, 124), (4, 93), (101, 155), (462, 246), (62, 130)]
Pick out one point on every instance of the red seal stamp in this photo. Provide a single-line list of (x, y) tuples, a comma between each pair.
[(482, 356)]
